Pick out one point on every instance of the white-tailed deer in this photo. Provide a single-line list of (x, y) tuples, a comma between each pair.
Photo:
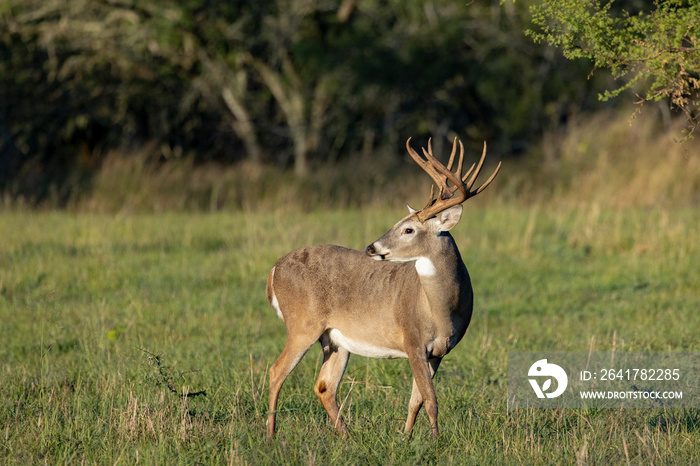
[(408, 295)]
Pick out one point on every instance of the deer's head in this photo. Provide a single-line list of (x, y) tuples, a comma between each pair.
[(415, 237)]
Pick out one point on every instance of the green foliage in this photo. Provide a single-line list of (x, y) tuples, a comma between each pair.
[(656, 50), (82, 295)]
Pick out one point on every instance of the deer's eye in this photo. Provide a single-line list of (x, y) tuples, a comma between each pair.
[(408, 231)]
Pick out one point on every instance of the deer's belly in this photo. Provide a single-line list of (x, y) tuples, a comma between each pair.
[(363, 348)]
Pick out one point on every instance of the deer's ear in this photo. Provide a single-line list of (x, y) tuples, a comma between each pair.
[(411, 210), (447, 219)]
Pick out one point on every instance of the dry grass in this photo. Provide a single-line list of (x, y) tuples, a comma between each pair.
[(612, 161), (607, 159), (140, 183)]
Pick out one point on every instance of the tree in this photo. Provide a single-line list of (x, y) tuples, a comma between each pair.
[(655, 50), (290, 61)]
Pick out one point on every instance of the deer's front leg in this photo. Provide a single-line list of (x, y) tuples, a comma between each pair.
[(423, 392)]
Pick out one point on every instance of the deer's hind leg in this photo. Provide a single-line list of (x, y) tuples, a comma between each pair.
[(335, 360), (294, 350)]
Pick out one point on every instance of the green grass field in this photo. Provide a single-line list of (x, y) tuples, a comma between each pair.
[(87, 302)]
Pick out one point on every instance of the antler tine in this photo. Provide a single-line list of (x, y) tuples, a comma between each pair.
[(438, 180), (471, 181), (493, 175), (461, 158), (424, 164), (452, 155), (469, 172)]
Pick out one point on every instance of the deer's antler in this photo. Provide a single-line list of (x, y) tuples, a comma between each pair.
[(441, 175)]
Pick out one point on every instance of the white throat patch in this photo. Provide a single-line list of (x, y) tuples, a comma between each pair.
[(425, 267)]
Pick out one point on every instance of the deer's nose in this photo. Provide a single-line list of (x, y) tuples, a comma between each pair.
[(371, 250)]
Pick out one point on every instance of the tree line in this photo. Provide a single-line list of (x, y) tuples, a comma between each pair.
[(294, 83)]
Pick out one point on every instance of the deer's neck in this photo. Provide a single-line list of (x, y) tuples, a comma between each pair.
[(445, 282)]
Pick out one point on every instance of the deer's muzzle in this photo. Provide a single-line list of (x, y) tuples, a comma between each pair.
[(375, 253)]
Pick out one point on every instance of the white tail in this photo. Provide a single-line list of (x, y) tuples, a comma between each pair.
[(407, 296)]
